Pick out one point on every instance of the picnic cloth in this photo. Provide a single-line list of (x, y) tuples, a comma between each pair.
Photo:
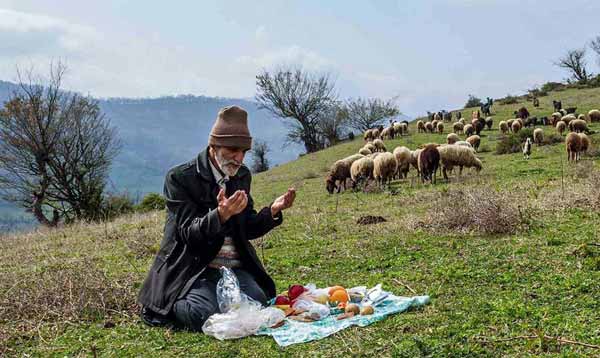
[(299, 332)]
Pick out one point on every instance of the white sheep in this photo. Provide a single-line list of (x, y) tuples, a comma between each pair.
[(385, 168), (404, 128), (379, 146), (594, 115), (538, 136), (403, 157), (452, 155), (468, 130), (474, 140), (339, 173), (452, 138), (414, 159), (361, 169), (364, 151), (503, 126), (458, 127), (560, 127)]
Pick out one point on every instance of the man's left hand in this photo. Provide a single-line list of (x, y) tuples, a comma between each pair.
[(283, 202)]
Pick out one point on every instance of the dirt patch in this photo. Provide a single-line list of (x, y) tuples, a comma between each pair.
[(370, 219)]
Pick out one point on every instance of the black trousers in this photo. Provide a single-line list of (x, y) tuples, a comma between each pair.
[(191, 311)]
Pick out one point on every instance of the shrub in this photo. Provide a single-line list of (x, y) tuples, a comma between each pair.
[(552, 86), (152, 201), (511, 143), (552, 138), (473, 102), (536, 92), (114, 205), (509, 99)]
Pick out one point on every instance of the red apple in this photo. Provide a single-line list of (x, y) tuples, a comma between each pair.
[(295, 290), (282, 300)]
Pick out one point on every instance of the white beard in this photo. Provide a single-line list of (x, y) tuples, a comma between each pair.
[(229, 167)]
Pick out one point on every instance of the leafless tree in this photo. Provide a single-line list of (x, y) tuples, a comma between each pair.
[(574, 62), (364, 114), (595, 46), (260, 163), (332, 122), (55, 150), (300, 96)]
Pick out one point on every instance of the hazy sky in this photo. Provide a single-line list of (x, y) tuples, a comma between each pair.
[(431, 54)]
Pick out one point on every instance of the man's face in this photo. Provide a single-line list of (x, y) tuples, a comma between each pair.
[(229, 159)]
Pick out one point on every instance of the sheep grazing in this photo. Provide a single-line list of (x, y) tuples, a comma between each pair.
[(556, 116), (361, 169), (385, 166), (469, 130), (403, 158), (560, 127), (594, 115), (585, 143), (464, 143), (457, 155), (568, 118), (509, 123), (527, 148), (428, 162), (397, 128), (516, 126), (440, 127), (370, 147), (368, 136), (429, 127), (582, 116), (489, 122), (458, 127), (379, 146), (578, 126), (339, 173), (404, 127), (538, 136), (421, 127), (452, 138), (376, 133), (386, 133), (573, 145), (364, 151), (414, 159), (434, 123), (503, 126), (474, 140)]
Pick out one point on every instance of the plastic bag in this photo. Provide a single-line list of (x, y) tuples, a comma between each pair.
[(241, 315), (313, 310)]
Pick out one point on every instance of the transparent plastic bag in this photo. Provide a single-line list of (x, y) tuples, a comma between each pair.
[(241, 315), (313, 310)]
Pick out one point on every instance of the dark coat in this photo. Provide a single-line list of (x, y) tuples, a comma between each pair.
[(193, 233)]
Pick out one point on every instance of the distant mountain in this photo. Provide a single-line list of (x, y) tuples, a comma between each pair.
[(158, 133)]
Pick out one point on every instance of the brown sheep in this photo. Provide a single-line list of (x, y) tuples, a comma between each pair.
[(429, 127), (573, 146), (428, 162), (469, 130), (585, 143)]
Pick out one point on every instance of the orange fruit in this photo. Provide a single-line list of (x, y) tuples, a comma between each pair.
[(335, 288), (339, 296)]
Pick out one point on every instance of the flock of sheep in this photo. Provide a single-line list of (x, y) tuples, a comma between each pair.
[(373, 161)]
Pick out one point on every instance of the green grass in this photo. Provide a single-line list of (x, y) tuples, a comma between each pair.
[(544, 280)]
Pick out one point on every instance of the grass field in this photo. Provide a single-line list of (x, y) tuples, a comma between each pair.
[(71, 292)]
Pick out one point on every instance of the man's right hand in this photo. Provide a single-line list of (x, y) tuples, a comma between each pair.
[(233, 205)]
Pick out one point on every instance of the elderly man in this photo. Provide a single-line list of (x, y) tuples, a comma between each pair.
[(210, 222)]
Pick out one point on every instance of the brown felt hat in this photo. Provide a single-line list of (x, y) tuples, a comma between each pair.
[(231, 129)]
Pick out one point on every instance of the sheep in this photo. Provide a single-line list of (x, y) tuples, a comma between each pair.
[(503, 126), (376, 133), (568, 118), (361, 169), (489, 122), (414, 159), (420, 127), (370, 147), (478, 125), (364, 151), (397, 128), (457, 127), (573, 146), (582, 116), (585, 143), (402, 155), (563, 111), (452, 138), (428, 162), (339, 172), (560, 127), (463, 121), (527, 148), (468, 130), (440, 127), (556, 116), (474, 140), (509, 123), (379, 146), (538, 136), (516, 126), (578, 126), (437, 117), (404, 127), (368, 136), (429, 127), (385, 166), (594, 115), (386, 133), (464, 143), (455, 155), (434, 123)]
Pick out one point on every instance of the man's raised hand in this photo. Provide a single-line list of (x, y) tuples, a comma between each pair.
[(233, 205), (283, 202)]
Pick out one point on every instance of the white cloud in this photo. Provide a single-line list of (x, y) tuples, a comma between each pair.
[(289, 56)]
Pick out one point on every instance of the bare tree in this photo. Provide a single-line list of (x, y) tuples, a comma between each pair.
[(595, 45), (574, 62), (55, 150), (364, 114), (332, 122), (300, 96), (260, 163)]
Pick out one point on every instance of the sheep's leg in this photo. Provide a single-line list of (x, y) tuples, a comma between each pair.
[(444, 173)]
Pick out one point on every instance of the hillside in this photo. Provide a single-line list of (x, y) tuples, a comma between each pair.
[(148, 152), (508, 253)]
